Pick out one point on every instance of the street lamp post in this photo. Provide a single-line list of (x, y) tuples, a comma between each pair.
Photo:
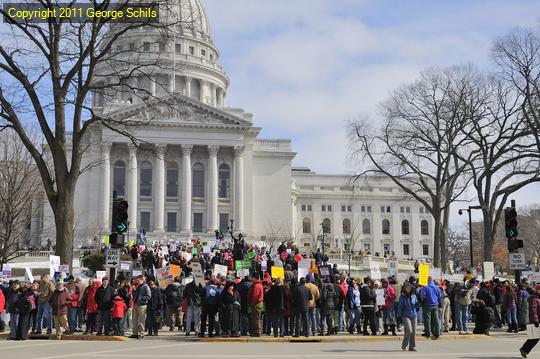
[(323, 237), (460, 212)]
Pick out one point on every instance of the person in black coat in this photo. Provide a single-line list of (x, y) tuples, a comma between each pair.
[(276, 301), (26, 298), (104, 299), (243, 289), (329, 302), (368, 300), (483, 323), (13, 297), (226, 301), (154, 308), (302, 295)]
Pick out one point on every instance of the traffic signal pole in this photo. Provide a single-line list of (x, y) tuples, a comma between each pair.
[(517, 272)]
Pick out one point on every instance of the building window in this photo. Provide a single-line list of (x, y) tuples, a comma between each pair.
[(424, 227), (203, 53), (146, 46), (366, 247), (362, 209), (343, 208), (405, 227), (191, 50), (382, 209), (349, 208), (309, 207), (223, 222), (224, 181), (197, 222), (145, 189), (172, 180), (368, 209), (388, 209), (406, 250), (366, 226), (171, 221), (303, 208), (425, 249), (132, 46), (119, 178), (178, 48), (329, 208), (402, 209), (346, 226), (407, 209), (306, 225), (211, 57), (198, 180), (421, 209), (162, 47), (385, 226), (326, 226), (145, 221), (323, 208)]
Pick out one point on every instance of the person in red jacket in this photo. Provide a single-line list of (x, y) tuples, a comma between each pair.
[(2, 309), (255, 302), (91, 306), (118, 311)]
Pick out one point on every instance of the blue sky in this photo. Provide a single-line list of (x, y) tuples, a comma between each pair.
[(306, 67)]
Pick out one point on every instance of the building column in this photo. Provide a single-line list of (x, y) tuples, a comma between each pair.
[(188, 86), (172, 84), (239, 188), (213, 94), (212, 210), (106, 187), (186, 189), (376, 230), (133, 188), (204, 92), (160, 189)]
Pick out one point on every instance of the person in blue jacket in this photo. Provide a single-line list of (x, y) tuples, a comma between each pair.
[(406, 311), (431, 295)]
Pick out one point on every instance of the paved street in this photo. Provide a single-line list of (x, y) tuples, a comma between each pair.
[(178, 347)]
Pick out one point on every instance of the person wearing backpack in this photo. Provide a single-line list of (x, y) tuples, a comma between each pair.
[(463, 298), (174, 294), (211, 307), (193, 294)]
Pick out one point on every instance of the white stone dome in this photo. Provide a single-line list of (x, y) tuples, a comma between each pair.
[(192, 18)]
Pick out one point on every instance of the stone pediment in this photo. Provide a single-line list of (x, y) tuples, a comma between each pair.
[(178, 110)]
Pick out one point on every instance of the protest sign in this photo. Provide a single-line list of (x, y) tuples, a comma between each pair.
[(242, 273), (28, 274), (219, 270), (303, 268), (392, 268), (380, 296), (489, 270), (325, 271), (246, 264), (100, 274), (175, 269), (198, 274), (136, 272), (6, 271), (264, 266), (54, 264), (125, 266), (64, 268), (375, 271), (423, 274), (164, 276), (278, 272)]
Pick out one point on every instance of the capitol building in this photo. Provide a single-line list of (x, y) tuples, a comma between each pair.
[(200, 163)]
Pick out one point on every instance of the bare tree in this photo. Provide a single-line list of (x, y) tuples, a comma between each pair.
[(19, 189), (415, 146), (458, 246), (48, 73), (501, 155), (529, 230)]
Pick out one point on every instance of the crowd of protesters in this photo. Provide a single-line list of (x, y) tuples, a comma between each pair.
[(257, 304)]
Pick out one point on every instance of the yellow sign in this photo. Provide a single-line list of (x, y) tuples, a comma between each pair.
[(106, 240), (278, 272), (131, 242), (423, 273)]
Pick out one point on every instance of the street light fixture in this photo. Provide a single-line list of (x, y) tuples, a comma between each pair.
[(460, 212)]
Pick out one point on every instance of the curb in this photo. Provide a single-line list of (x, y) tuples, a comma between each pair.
[(89, 338), (337, 339)]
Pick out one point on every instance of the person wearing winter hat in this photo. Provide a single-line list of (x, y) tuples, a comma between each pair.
[(406, 310), (534, 316)]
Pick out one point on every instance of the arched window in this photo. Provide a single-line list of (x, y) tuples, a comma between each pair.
[(385, 226), (366, 226), (326, 225), (346, 226), (306, 226), (404, 227), (198, 180), (224, 181), (424, 227), (145, 189), (172, 179), (119, 178)]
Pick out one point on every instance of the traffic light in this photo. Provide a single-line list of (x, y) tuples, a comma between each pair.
[(510, 222), (515, 244), (119, 216)]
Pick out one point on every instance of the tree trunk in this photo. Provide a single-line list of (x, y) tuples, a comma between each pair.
[(488, 239), (437, 239), (64, 214), (444, 241)]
